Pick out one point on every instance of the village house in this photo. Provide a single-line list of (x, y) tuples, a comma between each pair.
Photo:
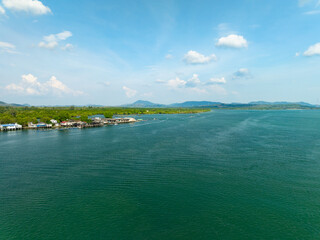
[(54, 122), (118, 120), (73, 123), (66, 124), (10, 127), (39, 125)]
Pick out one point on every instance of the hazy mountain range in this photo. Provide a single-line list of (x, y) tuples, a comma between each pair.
[(13, 104), (193, 104)]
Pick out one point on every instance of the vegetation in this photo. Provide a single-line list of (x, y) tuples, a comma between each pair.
[(23, 115)]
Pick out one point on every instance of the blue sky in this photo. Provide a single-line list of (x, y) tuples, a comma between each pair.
[(116, 52)]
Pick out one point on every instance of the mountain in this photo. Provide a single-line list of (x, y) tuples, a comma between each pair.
[(144, 104), (191, 104), (13, 104), (202, 104), (281, 103), (219, 105)]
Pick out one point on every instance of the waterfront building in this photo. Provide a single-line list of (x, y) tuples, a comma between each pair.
[(39, 125), (10, 127)]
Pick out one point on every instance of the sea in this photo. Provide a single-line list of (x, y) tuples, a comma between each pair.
[(224, 174)]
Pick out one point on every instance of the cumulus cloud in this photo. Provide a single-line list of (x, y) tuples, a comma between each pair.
[(48, 45), (2, 11), (176, 83), (30, 85), (241, 73), (34, 7), (130, 93), (232, 41), (193, 57), (52, 41), (194, 81), (313, 50), (196, 85), (212, 81)]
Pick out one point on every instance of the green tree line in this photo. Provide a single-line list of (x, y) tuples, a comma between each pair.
[(23, 115)]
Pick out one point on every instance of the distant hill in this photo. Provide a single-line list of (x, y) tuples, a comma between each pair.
[(202, 104), (13, 104), (189, 104), (281, 103), (144, 104), (219, 105)]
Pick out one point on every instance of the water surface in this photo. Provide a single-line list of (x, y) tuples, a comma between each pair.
[(217, 175)]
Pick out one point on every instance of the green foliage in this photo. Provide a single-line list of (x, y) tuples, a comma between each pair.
[(23, 115)]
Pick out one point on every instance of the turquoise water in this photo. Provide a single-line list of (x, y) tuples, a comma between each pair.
[(217, 175)]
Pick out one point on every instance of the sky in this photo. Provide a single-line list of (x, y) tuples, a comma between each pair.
[(58, 52)]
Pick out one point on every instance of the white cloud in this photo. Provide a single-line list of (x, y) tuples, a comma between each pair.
[(242, 73), (30, 79), (63, 35), (194, 81), (48, 45), (313, 50), (176, 83), (212, 81), (232, 41), (30, 85), (52, 41), (7, 47), (30, 6), (193, 57), (14, 87), (2, 11), (169, 56), (195, 85), (129, 92), (67, 47)]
